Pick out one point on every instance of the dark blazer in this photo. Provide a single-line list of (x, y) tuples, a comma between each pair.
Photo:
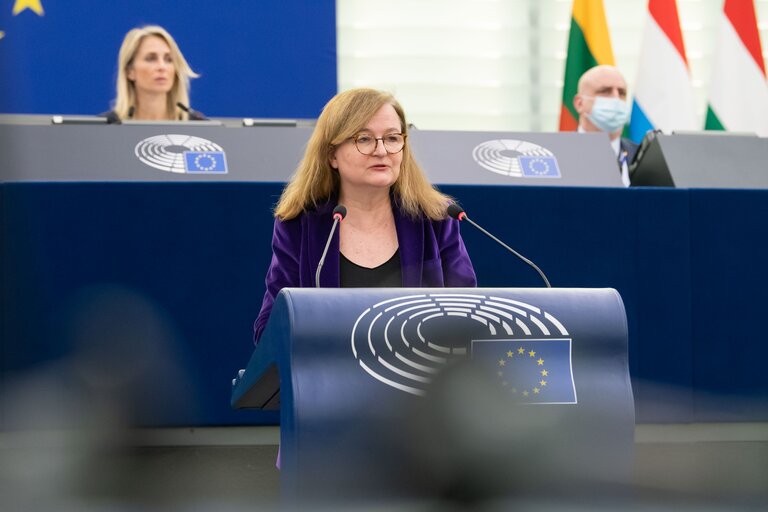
[(112, 117), (630, 147), (432, 254)]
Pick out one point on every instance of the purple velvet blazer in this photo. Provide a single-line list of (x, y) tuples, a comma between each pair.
[(432, 254)]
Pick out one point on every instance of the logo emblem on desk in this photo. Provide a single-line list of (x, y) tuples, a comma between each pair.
[(182, 154), (404, 342), (516, 158)]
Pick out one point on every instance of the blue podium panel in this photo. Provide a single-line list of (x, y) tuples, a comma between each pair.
[(375, 380)]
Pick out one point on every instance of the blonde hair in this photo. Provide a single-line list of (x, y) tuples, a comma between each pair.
[(126, 89), (343, 117)]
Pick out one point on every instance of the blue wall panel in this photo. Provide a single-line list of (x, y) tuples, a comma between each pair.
[(265, 58)]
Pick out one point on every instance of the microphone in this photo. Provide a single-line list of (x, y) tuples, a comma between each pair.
[(338, 215), (458, 213), (193, 114), (131, 111)]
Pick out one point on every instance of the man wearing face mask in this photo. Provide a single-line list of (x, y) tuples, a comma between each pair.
[(601, 102)]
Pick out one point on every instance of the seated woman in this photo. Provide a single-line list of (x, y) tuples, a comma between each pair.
[(152, 79), (396, 231)]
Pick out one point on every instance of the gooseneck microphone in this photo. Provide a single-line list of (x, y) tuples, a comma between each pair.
[(338, 215), (193, 114), (131, 112), (458, 213)]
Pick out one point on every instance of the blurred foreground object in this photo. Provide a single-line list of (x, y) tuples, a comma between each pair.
[(67, 424)]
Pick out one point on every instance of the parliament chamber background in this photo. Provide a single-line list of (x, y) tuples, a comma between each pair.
[(143, 290)]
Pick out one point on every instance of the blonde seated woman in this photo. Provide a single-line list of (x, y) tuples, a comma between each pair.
[(152, 79)]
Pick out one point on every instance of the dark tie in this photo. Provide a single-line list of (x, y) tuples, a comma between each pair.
[(622, 159)]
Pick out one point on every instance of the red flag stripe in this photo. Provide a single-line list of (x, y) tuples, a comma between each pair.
[(741, 14), (567, 122), (665, 14)]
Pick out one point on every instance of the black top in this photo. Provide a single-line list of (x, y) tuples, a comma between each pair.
[(386, 275), (112, 117)]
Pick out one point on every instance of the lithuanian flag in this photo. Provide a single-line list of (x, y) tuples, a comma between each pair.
[(588, 45)]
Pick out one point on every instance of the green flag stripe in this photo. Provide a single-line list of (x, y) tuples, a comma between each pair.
[(712, 122), (579, 60)]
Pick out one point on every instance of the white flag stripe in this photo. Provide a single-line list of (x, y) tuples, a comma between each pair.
[(664, 90), (738, 93)]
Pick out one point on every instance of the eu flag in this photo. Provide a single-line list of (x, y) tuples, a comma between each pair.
[(539, 167), (213, 162), (535, 371)]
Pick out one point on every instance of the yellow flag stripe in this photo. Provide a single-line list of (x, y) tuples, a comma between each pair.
[(590, 16)]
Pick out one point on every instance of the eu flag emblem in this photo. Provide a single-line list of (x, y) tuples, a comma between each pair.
[(531, 371), (213, 162), (539, 167)]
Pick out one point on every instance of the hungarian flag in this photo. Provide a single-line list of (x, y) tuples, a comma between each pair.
[(663, 96), (738, 91), (588, 45)]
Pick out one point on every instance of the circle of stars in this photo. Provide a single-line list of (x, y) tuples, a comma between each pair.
[(539, 387), (202, 166)]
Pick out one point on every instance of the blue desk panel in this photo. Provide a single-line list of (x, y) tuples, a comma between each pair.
[(687, 263)]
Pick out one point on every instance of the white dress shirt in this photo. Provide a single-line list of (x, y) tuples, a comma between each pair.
[(621, 159)]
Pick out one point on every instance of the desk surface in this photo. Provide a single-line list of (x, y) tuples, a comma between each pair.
[(189, 152)]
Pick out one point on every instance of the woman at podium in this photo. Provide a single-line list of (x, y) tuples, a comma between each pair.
[(395, 230), (152, 79)]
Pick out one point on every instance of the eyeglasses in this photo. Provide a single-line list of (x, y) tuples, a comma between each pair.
[(367, 144)]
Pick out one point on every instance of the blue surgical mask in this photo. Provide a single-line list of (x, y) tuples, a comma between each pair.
[(609, 114)]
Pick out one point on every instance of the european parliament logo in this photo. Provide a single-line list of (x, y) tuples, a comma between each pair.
[(175, 152), (530, 371), (516, 159), (406, 341), (205, 162)]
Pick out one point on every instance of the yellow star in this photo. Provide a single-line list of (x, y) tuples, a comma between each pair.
[(540, 361), (33, 5), (502, 362), (535, 391), (504, 383), (514, 390), (543, 383), (510, 353), (2, 34), (500, 374), (525, 393), (544, 373), (521, 350), (531, 353)]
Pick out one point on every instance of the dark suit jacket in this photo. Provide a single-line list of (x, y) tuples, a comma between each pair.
[(630, 147), (112, 117), (432, 254)]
